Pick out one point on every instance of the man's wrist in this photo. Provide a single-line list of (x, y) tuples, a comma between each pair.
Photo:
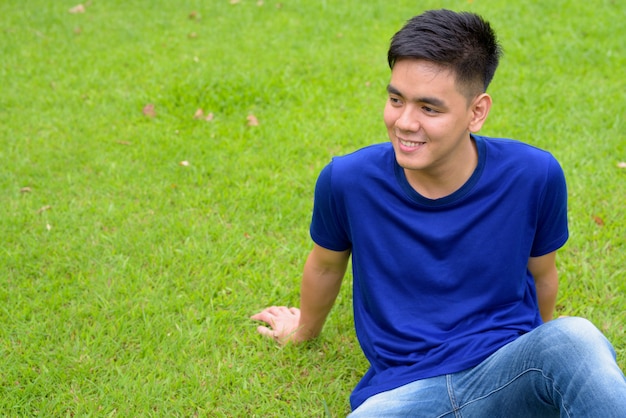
[(304, 333)]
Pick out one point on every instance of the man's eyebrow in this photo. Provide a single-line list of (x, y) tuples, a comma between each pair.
[(434, 101), (392, 90)]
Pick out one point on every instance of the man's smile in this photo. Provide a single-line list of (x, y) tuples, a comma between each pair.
[(410, 145)]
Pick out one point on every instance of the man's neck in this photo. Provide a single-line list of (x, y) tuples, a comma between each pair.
[(442, 181)]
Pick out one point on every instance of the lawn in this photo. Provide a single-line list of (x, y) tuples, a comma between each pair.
[(158, 164)]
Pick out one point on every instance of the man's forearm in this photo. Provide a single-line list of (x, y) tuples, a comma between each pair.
[(546, 297), (321, 282), (546, 277)]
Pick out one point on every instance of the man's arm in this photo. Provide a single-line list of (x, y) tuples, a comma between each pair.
[(546, 278), (321, 280)]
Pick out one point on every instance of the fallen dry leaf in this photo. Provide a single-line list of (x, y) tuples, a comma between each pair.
[(26, 190), (193, 15), (149, 111), (48, 227), (621, 164), (44, 208), (79, 8), (123, 142), (192, 35), (184, 163), (252, 120), (200, 115), (598, 220)]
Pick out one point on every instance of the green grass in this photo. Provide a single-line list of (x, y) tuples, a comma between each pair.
[(128, 278)]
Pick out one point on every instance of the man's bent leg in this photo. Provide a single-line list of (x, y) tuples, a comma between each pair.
[(565, 367)]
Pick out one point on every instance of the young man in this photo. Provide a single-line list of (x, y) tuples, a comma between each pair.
[(453, 238)]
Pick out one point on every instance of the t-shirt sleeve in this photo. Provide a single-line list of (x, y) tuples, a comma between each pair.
[(328, 224), (552, 230)]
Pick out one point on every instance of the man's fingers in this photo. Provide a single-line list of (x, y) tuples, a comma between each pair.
[(274, 310), (278, 310), (265, 331), (259, 316), (268, 315), (281, 323), (264, 316)]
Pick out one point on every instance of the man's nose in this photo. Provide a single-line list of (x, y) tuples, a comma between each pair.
[(408, 120)]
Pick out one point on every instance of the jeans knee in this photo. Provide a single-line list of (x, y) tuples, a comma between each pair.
[(579, 335), (576, 328)]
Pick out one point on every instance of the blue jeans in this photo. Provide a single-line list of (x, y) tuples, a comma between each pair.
[(564, 368)]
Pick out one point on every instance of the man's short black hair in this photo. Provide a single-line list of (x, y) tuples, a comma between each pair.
[(462, 42)]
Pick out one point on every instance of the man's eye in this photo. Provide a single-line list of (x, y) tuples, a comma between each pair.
[(394, 100), (429, 109)]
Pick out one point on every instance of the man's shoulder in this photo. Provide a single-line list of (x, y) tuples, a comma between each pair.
[(512, 147), (369, 159), (510, 151), (523, 165), (370, 152), (351, 171)]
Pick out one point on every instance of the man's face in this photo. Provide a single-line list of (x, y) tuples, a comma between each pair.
[(427, 118)]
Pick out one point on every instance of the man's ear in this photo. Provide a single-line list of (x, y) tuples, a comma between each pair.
[(480, 109)]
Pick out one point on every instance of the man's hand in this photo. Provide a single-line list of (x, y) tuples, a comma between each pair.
[(283, 323), (323, 272)]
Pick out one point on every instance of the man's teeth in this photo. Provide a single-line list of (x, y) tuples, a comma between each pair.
[(411, 144)]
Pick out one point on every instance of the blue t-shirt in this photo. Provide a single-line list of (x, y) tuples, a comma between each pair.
[(439, 285)]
